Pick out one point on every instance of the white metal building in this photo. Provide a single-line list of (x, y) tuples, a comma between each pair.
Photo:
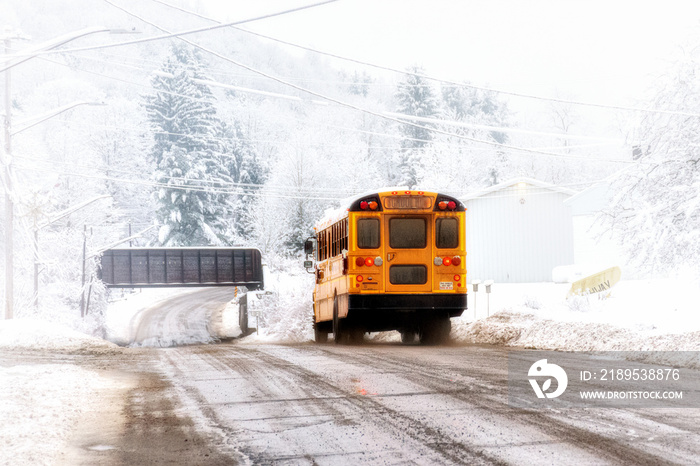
[(518, 231)]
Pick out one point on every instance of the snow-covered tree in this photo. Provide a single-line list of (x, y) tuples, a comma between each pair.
[(477, 107), (192, 202), (414, 96), (656, 206), (245, 168)]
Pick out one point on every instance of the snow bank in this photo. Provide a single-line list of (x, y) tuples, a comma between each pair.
[(287, 318), (225, 324), (639, 315), (35, 334), (39, 406)]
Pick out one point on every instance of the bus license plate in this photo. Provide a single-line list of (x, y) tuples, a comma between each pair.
[(446, 285)]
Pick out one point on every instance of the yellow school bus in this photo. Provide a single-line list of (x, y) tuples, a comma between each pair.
[(392, 260)]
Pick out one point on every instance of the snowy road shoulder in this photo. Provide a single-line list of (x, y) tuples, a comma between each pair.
[(40, 405), (38, 335), (643, 315)]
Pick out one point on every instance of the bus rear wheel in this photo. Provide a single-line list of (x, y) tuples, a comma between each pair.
[(408, 336), (340, 334), (435, 331)]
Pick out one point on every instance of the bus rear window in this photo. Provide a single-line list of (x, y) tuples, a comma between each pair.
[(408, 274), (407, 233), (447, 233), (368, 233)]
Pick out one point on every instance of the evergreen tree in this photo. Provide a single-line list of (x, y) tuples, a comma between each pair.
[(414, 96), (191, 207), (245, 168)]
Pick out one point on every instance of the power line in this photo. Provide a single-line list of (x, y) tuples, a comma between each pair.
[(172, 35), (286, 143), (178, 187), (352, 106), (436, 79), (504, 129), (501, 147), (180, 181)]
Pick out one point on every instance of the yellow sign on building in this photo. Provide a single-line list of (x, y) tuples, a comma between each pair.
[(596, 283)]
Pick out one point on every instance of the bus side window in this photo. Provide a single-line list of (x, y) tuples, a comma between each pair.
[(447, 233), (368, 233)]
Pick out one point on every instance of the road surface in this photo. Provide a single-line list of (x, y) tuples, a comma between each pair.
[(377, 403)]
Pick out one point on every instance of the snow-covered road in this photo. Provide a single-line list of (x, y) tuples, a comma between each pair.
[(185, 318), (386, 403), (72, 400)]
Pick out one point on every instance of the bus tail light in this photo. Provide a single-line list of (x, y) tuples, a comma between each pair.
[(369, 262), (456, 260), (359, 278), (456, 278), (446, 261), (359, 262)]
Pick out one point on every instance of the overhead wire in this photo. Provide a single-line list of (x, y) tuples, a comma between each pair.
[(197, 183), (208, 190), (167, 35), (499, 146), (436, 79), (373, 133), (355, 107)]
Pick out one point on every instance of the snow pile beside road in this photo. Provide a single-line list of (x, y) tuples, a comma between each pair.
[(225, 323), (644, 315), (288, 317), (39, 406), (35, 334)]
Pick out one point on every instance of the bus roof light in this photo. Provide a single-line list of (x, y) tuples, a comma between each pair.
[(452, 205), (373, 205), (443, 205), (363, 205)]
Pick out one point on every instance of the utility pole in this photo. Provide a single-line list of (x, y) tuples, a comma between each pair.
[(9, 202), (9, 207)]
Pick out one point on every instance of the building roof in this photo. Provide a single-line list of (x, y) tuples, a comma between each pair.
[(515, 182)]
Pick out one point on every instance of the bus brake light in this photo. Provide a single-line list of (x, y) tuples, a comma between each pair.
[(456, 260), (446, 261), (359, 262), (369, 262)]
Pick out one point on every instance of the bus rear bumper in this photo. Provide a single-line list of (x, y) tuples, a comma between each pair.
[(396, 311), (408, 302)]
